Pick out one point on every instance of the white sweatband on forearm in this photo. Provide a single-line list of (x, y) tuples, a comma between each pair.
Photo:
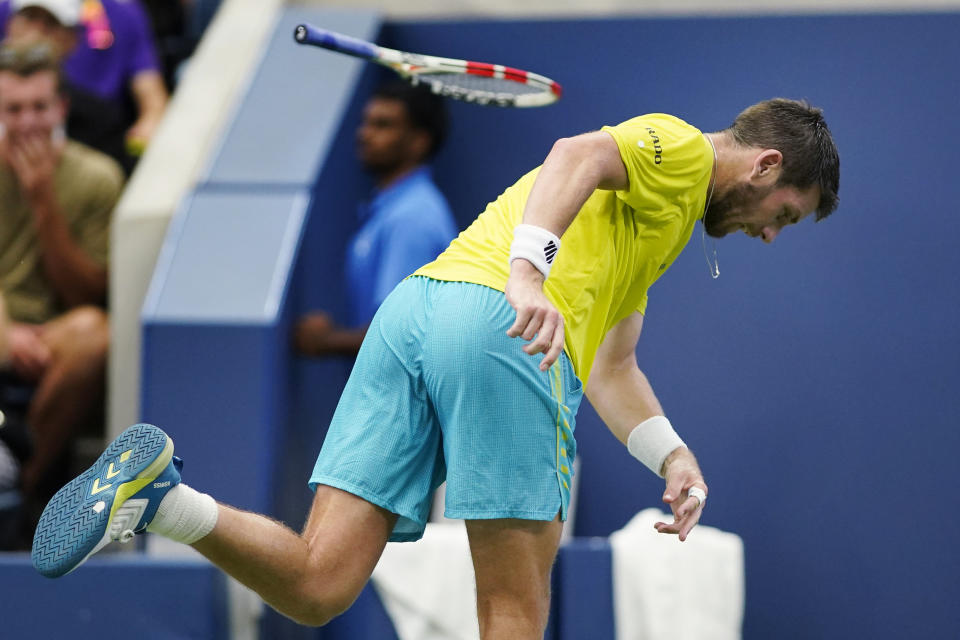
[(652, 441), (537, 245)]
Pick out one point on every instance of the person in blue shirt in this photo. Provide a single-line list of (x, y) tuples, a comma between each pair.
[(406, 223)]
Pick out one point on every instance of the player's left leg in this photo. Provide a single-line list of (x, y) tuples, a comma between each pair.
[(512, 561), (135, 487), (311, 577)]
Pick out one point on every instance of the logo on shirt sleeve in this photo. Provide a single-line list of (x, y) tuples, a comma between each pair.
[(657, 147)]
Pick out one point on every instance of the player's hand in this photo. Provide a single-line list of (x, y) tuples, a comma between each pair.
[(682, 473), (538, 321)]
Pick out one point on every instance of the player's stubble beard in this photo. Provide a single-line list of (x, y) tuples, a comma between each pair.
[(735, 201)]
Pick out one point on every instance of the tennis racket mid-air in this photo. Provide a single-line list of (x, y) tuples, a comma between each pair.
[(478, 82)]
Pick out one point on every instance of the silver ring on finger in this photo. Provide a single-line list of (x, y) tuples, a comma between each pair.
[(699, 494)]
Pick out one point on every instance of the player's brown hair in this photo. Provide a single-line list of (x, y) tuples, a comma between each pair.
[(798, 131)]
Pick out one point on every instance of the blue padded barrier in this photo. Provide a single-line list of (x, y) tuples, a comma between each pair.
[(139, 592), (583, 590), (227, 256), (215, 351), (291, 115), (120, 594)]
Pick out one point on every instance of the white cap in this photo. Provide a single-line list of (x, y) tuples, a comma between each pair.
[(67, 12)]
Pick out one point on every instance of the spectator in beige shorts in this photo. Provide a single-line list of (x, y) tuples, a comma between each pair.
[(56, 201)]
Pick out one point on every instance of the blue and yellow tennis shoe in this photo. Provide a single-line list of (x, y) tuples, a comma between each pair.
[(112, 500)]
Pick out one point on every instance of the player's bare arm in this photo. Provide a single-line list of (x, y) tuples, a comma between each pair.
[(623, 398), (617, 388), (574, 169)]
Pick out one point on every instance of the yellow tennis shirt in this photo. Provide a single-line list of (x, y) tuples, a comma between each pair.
[(617, 246)]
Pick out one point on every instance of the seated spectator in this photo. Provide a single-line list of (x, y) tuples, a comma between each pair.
[(114, 59), (9, 463), (92, 120), (56, 202), (406, 223)]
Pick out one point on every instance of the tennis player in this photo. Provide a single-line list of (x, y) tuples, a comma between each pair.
[(473, 369)]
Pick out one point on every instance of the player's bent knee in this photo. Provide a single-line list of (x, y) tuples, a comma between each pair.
[(321, 611), (320, 600)]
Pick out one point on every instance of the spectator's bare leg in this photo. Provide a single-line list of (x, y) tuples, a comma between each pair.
[(71, 390)]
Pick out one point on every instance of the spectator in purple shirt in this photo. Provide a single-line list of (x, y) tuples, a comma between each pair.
[(114, 57)]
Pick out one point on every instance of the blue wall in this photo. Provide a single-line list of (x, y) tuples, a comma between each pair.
[(151, 599), (816, 378), (813, 378)]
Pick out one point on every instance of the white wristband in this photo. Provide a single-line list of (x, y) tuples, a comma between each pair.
[(536, 244), (652, 441)]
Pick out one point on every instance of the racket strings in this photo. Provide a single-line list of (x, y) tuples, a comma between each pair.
[(473, 83)]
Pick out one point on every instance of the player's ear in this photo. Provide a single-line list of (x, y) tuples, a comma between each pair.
[(767, 166)]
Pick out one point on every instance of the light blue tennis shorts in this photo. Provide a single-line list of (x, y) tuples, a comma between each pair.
[(440, 392)]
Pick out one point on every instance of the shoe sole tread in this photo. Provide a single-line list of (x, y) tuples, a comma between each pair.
[(70, 528)]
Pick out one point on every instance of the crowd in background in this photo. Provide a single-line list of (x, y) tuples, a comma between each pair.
[(83, 87)]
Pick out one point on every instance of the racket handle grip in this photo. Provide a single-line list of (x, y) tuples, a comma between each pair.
[(309, 34)]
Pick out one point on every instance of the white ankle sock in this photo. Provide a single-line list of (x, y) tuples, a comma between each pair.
[(185, 515)]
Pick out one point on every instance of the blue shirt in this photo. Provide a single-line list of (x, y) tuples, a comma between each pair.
[(404, 227)]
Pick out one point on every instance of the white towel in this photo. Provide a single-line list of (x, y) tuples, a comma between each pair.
[(427, 587), (663, 588)]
